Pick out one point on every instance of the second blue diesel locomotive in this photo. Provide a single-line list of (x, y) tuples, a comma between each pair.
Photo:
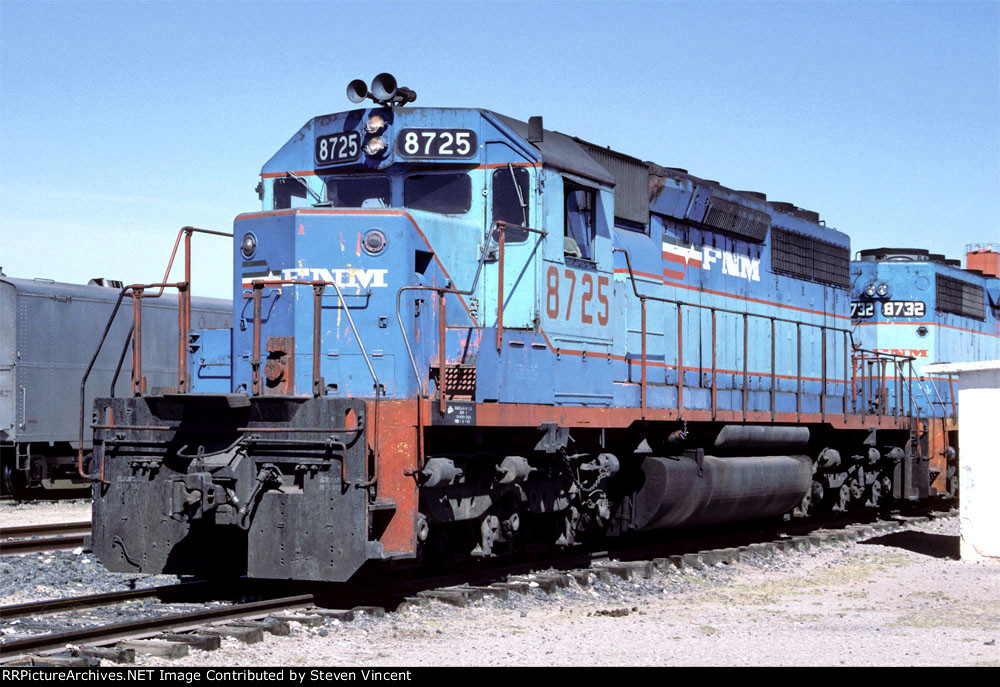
[(460, 333), (912, 303)]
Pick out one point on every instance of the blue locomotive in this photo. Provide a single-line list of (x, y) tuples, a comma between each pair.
[(457, 333), (47, 341), (917, 305)]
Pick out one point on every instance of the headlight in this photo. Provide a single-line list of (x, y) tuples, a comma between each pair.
[(375, 146), (374, 242), (870, 290), (883, 290), (375, 124), (248, 246)]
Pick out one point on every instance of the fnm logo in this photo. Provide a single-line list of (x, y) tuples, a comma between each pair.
[(348, 278), (733, 264)]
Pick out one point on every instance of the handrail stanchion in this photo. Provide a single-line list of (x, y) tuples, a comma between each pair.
[(501, 242), (822, 391), (714, 353), (138, 384), (798, 371), (442, 352), (951, 390), (680, 360), (184, 315), (642, 382), (745, 377), (774, 377), (258, 288), (845, 376), (318, 383)]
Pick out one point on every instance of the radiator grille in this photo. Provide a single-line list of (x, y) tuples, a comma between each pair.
[(804, 257), (736, 219), (960, 297)]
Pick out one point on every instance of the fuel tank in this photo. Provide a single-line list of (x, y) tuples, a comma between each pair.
[(681, 491)]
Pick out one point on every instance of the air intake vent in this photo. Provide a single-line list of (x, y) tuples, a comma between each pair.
[(631, 183), (804, 257), (960, 297), (737, 219)]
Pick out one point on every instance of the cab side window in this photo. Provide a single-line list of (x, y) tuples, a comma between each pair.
[(289, 193), (579, 224), (510, 199)]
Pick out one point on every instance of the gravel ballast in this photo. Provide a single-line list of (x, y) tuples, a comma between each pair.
[(898, 598)]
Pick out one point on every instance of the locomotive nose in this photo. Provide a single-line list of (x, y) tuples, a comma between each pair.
[(325, 284)]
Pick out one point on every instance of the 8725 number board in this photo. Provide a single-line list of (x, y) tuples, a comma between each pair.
[(333, 148), (437, 143)]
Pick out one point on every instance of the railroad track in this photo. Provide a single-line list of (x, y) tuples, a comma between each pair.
[(37, 608), (34, 538), (169, 635)]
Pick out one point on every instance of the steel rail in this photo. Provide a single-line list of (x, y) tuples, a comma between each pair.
[(18, 546), (33, 608), (136, 629), (41, 530)]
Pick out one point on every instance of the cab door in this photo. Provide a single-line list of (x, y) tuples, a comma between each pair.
[(510, 180)]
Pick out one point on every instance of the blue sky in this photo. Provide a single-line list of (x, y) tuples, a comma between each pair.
[(122, 122)]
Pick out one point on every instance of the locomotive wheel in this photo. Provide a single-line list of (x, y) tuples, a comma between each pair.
[(842, 498), (875, 495), (951, 482), (8, 479), (813, 498), (13, 481)]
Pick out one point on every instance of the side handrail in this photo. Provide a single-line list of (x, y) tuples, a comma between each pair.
[(136, 291), (643, 297), (879, 361)]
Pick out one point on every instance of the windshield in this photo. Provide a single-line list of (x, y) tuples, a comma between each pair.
[(359, 192), (444, 193)]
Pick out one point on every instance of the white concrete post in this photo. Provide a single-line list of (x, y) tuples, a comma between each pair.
[(978, 455)]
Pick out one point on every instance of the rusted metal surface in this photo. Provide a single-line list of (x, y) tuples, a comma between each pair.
[(400, 459), (279, 369), (255, 385), (532, 415), (138, 382)]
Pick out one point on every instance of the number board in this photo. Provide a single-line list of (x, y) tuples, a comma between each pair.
[(864, 309), (334, 148), (437, 143), (903, 309)]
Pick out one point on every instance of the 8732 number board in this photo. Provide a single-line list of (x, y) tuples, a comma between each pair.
[(437, 143), (864, 309)]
